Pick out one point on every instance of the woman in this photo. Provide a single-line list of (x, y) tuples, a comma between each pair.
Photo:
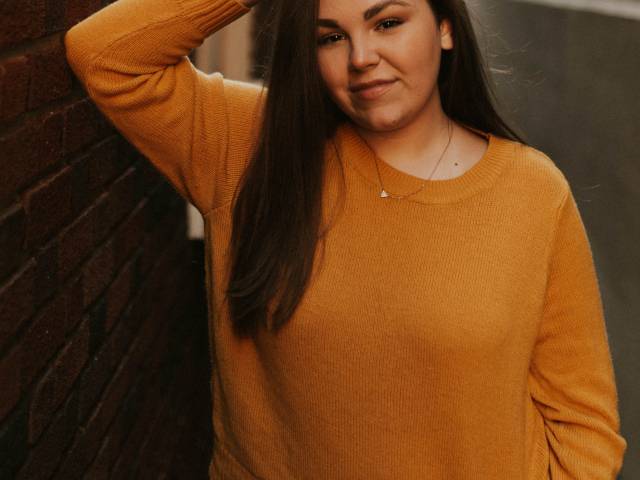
[(448, 324)]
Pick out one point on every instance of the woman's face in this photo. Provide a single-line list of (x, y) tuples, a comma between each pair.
[(366, 40)]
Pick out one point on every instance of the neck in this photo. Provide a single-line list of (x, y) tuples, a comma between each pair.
[(415, 147)]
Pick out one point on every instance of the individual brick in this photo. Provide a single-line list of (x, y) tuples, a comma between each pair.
[(54, 387), (21, 20), (49, 206), (16, 301), (97, 273), (43, 339), (118, 294), (54, 16), (51, 76), (84, 125), (14, 86), (29, 151), (12, 225), (76, 242), (47, 280), (44, 456), (10, 381), (78, 10), (13, 441)]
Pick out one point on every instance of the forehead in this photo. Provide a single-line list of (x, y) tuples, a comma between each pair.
[(363, 9)]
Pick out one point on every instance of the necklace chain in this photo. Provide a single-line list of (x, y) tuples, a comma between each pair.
[(385, 194)]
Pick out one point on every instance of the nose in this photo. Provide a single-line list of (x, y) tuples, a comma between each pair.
[(363, 54)]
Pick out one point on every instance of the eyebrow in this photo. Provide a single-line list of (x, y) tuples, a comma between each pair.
[(367, 15)]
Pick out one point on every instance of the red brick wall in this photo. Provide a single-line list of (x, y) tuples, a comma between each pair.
[(103, 353)]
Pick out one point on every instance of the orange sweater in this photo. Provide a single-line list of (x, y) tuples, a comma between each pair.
[(457, 334)]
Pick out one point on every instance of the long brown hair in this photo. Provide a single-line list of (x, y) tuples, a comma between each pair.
[(277, 215)]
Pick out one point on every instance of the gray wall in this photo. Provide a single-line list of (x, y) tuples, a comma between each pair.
[(571, 86)]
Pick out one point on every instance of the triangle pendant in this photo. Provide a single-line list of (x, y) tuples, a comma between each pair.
[(383, 193)]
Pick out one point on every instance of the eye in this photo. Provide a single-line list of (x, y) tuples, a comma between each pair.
[(393, 21), (327, 39), (389, 22)]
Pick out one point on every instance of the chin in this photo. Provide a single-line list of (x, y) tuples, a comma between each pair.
[(380, 121)]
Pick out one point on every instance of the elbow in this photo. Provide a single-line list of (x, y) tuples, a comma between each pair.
[(78, 50), (72, 48)]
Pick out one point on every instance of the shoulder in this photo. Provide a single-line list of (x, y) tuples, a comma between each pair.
[(542, 164), (535, 171)]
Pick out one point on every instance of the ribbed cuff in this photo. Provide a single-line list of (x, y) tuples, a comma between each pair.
[(212, 15)]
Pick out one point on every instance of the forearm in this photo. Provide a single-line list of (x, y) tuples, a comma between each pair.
[(143, 36), (571, 377)]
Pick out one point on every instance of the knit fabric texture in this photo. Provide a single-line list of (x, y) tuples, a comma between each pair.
[(455, 334)]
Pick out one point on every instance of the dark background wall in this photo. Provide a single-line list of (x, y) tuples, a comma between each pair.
[(103, 340), (569, 80)]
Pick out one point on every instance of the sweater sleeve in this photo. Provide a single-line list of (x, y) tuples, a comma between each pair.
[(131, 58), (571, 375)]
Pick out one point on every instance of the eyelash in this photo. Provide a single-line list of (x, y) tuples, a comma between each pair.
[(325, 40)]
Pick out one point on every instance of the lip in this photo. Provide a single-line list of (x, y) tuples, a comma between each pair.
[(376, 90)]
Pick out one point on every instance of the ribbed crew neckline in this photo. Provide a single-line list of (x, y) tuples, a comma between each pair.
[(480, 176)]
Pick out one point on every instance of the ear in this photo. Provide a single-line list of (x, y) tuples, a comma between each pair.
[(446, 34)]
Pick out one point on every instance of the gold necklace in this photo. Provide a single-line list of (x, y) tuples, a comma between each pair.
[(385, 194)]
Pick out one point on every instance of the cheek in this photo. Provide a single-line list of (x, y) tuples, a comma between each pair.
[(422, 55), (333, 77), (420, 65), (329, 70)]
